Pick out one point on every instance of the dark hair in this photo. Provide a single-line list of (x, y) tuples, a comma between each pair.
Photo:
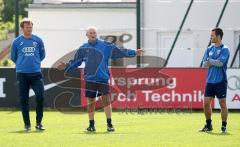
[(218, 32), (25, 20)]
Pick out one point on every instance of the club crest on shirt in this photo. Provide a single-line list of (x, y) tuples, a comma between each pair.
[(210, 53), (35, 43)]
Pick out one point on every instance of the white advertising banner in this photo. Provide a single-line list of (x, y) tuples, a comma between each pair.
[(233, 90)]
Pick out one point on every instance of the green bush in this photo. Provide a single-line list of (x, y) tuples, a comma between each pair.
[(5, 28), (6, 63)]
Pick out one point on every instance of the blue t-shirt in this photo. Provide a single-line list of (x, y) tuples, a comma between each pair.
[(96, 57), (217, 73), (27, 54)]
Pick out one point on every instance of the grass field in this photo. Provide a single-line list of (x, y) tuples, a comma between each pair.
[(165, 129)]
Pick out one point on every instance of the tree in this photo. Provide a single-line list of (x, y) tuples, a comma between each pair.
[(1, 6), (24, 4), (7, 12)]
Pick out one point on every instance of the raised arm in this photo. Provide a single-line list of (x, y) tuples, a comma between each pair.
[(77, 60), (121, 53)]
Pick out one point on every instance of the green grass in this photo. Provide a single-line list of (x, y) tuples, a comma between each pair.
[(165, 129)]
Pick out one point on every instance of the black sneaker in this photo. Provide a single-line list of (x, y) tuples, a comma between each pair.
[(110, 128), (91, 129), (206, 128), (27, 128), (224, 129), (40, 127)]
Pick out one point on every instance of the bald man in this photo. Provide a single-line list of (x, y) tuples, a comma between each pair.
[(96, 54)]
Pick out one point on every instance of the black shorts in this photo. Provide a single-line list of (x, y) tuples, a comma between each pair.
[(216, 89), (96, 89)]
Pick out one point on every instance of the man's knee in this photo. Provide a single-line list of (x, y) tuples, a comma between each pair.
[(207, 103), (24, 101), (106, 100), (223, 104), (91, 102), (39, 98)]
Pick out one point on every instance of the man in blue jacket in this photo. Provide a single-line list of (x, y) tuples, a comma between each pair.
[(27, 52), (216, 59), (96, 54)]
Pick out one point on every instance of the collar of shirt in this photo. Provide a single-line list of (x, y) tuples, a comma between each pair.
[(93, 42), (220, 46)]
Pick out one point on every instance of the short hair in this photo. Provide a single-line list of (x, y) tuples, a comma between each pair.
[(91, 27), (25, 20), (218, 32)]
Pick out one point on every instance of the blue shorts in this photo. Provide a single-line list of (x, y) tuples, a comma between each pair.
[(96, 89), (216, 89)]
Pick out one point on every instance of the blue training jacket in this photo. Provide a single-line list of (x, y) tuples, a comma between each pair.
[(96, 57), (27, 54), (216, 59)]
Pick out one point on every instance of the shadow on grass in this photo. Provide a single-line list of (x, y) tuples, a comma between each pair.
[(96, 133), (217, 134), (26, 132)]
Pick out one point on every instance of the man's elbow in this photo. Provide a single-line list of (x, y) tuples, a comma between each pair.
[(42, 58), (206, 64), (13, 59)]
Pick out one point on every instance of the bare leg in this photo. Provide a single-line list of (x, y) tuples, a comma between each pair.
[(224, 110), (107, 105), (207, 107), (91, 108)]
